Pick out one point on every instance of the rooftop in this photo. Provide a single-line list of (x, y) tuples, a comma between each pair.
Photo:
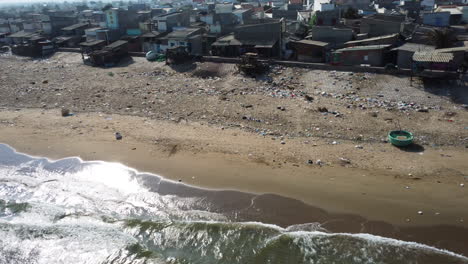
[(313, 42), (92, 43), (183, 33), (414, 47), (373, 39), (431, 56), (228, 40), (116, 44), (453, 10), (451, 49), (164, 16), (240, 11), (370, 47), (151, 34), (23, 34), (75, 26)]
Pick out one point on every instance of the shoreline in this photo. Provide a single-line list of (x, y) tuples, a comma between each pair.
[(230, 159), (274, 211)]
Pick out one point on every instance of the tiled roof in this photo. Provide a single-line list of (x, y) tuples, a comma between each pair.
[(432, 57)]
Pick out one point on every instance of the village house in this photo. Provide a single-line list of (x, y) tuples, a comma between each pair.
[(133, 43), (110, 54), (152, 41), (5, 27), (287, 11), (4, 39), (54, 22), (326, 17), (432, 60), (243, 15), (358, 4), (262, 38), (437, 19), (72, 35), (89, 46), (460, 57), (167, 22), (22, 36), (189, 38), (360, 55), (332, 35), (380, 25), (34, 46), (311, 51), (457, 13), (125, 22), (391, 39), (406, 51)]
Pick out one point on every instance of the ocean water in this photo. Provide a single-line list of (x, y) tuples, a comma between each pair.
[(70, 211)]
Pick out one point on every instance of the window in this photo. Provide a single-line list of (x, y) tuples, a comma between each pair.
[(182, 43), (172, 44)]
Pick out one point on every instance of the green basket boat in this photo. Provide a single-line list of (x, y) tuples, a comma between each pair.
[(400, 138)]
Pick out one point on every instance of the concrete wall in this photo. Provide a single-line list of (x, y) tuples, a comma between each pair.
[(258, 31), (381, 41), (367, 57), (196, 45), (162, 27), (404, 59), (439, 19), (215, 28), (331, 35), (376, 27), (4, 29), (316, 66), (112, 19)]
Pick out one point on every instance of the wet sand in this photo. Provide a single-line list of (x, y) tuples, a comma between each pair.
[(342, 198), (282, 211)]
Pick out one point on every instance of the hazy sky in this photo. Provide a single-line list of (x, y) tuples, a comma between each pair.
[(32, 1)]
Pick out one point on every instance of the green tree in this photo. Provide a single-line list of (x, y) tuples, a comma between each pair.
[(106, 7), (351, 13), (441, 38), (313, 21)]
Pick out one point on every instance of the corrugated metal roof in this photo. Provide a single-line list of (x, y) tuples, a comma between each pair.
[(116, 44), (183, 33), (228, 40), (370, 47), (75, 26), (452, 10), (23, 34), (373, 39), (451, 49), (92, 43), (313, 42), (414, 47), (425, 56)]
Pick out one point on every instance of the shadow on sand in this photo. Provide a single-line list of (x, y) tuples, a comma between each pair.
[(184, 67), (124, 62), (416, 148), (455, 90)]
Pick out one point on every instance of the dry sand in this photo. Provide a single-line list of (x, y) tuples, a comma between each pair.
[(238, 133), (232, 159)]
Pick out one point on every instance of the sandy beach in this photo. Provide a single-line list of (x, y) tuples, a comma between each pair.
[(241, 140), (232, 159)]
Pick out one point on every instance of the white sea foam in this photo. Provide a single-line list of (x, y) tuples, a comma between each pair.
[(65, 221)]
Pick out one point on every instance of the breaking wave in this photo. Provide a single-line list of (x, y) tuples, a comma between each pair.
[(70, 211)]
